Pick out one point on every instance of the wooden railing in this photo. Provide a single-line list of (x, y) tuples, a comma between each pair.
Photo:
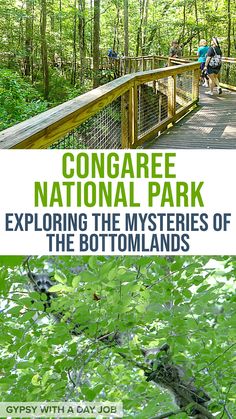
[(136, 107), (127, 65), (227, 73), (123, 113)]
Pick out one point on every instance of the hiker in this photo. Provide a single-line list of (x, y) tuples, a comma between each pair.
[(213, 66), (111, 53), (175, 50), (202, 52)]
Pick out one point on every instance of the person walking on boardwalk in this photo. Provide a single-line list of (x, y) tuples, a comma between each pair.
[(175, 50), (202, 52), (213, 66)]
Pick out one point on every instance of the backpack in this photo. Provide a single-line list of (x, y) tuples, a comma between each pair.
[(216, 60)]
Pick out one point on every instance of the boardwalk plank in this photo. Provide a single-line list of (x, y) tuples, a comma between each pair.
[(212, 125)]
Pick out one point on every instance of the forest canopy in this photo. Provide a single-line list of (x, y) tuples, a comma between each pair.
[(156, 333), (56, 46)]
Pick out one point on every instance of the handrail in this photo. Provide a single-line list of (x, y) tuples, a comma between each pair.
[(44, 129), (227, 74)]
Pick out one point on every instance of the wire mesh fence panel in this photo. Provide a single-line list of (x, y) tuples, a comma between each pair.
[(228, 73), (184, 89), (100, 131), (148, 64), (138, 65), (160, 62), (152, 104)]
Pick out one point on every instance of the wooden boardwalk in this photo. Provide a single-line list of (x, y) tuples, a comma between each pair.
[(211, 125)]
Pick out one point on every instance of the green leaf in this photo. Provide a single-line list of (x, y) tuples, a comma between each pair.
[(60, 277), (60, 288), (36, 380), (11, 261), (92, 262)]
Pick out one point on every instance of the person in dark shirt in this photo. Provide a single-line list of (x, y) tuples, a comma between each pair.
[(213, 66), (175, 50)]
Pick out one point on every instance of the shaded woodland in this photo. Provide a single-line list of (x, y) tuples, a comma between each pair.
[(51, 50)]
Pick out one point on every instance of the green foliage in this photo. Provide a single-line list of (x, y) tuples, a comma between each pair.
[(153, 24), (187, 302), (18, 99), (61, 89)]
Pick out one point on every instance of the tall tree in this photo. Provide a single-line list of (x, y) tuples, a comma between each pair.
[(139, 31), (82, 42), (197, 19), (29, 37), (145, 27), (116, 40), (96, 42), (44, 49), (60, 29), (74, 60), (229, 28), (126, 28)]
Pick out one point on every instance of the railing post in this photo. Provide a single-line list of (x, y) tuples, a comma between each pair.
[(134, 65), (153, 63), (143, 64), (171, 96), (129, 118), (129, 66), (125, 65), (159, 107), (134, 114), (125, 131), (121, 66), (195, 84)]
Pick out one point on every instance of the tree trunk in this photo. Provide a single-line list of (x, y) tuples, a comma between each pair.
[(184, 22), (96, 43), (197, 22), (139, 45), (44, 52), (145, 21), (126, 28), (116, 31), (28, 37), (229, 28), (91, 27), (81, 30), (60, 31), (234, 37), (52, 17), (74, 61)]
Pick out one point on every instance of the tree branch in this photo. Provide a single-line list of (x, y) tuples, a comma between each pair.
[(168, 414), (219, 356), (228, 413)]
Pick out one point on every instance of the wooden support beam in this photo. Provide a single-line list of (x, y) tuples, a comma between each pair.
[(195, 84), (171, 96), (126, 105), (228, 86), (134, 115)]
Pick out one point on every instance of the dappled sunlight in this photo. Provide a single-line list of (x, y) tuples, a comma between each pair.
[(230, 132)]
